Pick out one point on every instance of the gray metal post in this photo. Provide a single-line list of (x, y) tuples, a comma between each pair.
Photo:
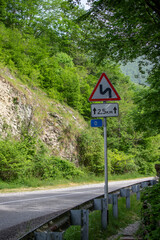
[(154, 182), (127, 198), (76, 218), (101, 204), (144, 184), (138, 192), (97, 204), (85, 225), (110, 198), (105, 160), (81, 217), (134, 188), (123, 192), (106, 165), (104, 213), (115, 205)]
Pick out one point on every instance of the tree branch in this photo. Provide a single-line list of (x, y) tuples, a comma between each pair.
[(155, 7)]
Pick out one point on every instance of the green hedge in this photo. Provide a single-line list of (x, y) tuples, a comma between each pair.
[(151, 212), (28, 157)]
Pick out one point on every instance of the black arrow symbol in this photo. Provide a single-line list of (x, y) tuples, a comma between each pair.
[(94, 110), (115, 109), (106, 90)]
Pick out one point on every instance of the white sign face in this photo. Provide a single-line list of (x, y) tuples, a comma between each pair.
[(104, 90), (105, 110)]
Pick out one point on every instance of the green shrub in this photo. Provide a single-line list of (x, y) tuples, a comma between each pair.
[(148, 154), (120, 162), (28, 158), (91, 151), (151, 212), (15, 160), (55, 167)]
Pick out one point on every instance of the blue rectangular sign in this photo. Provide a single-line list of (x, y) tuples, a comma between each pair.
[(96, 123)]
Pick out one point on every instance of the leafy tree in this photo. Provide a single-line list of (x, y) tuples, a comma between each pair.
[(19, 13), (125, 31), (148, 99), (45, 45)]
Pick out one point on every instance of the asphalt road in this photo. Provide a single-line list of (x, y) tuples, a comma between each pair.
[(22, 211)]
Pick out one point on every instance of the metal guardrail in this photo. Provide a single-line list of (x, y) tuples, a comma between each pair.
[(79, 215)]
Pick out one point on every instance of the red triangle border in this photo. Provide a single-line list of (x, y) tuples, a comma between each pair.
[(106, 99)]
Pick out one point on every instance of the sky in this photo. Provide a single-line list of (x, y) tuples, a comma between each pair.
[(84, 3)]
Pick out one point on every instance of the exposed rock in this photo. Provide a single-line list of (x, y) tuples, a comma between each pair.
[(17, 110), (14, 110)]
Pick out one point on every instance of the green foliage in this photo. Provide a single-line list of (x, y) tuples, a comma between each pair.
[(29, 158), (120, 163), (147, 155), (151, 212), (91, 153), (147, 100), (41, 42), (56, 168), (15, 160), (127, 29)]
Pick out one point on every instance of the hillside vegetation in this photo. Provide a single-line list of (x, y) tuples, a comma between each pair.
[(49, 69)]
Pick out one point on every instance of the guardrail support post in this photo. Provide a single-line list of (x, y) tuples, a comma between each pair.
[(76, 217), (115, 205), (126, 193), (144, 184), (48, 235), (123, 192), (152, 182), (128, 198), (110, 198), (101, 204), (104, 213), (81, 217), (97, 204), (85, 225), (134, 188), (138, 192)]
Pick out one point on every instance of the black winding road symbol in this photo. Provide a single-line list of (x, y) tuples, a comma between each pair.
[(105, 91)]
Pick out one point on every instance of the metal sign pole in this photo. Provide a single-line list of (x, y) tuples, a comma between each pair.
[(106, 169), (105, 160)]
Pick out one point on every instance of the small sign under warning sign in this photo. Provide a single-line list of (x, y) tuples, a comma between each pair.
[(104, 110)]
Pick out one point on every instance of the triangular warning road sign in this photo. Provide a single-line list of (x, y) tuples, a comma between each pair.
[(104, 91)]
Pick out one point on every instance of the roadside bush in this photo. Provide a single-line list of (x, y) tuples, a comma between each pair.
[(120, 162), (55, 167), (15, 161), (148, 154), (91, 151), (151, 212), (28, 157)]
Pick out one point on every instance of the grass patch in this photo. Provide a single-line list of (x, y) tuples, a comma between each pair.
[(36, 183), (125, 217), (126, 176), (32, 184)]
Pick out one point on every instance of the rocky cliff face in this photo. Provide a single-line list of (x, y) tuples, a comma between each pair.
[(14, 110), (56, 125)]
